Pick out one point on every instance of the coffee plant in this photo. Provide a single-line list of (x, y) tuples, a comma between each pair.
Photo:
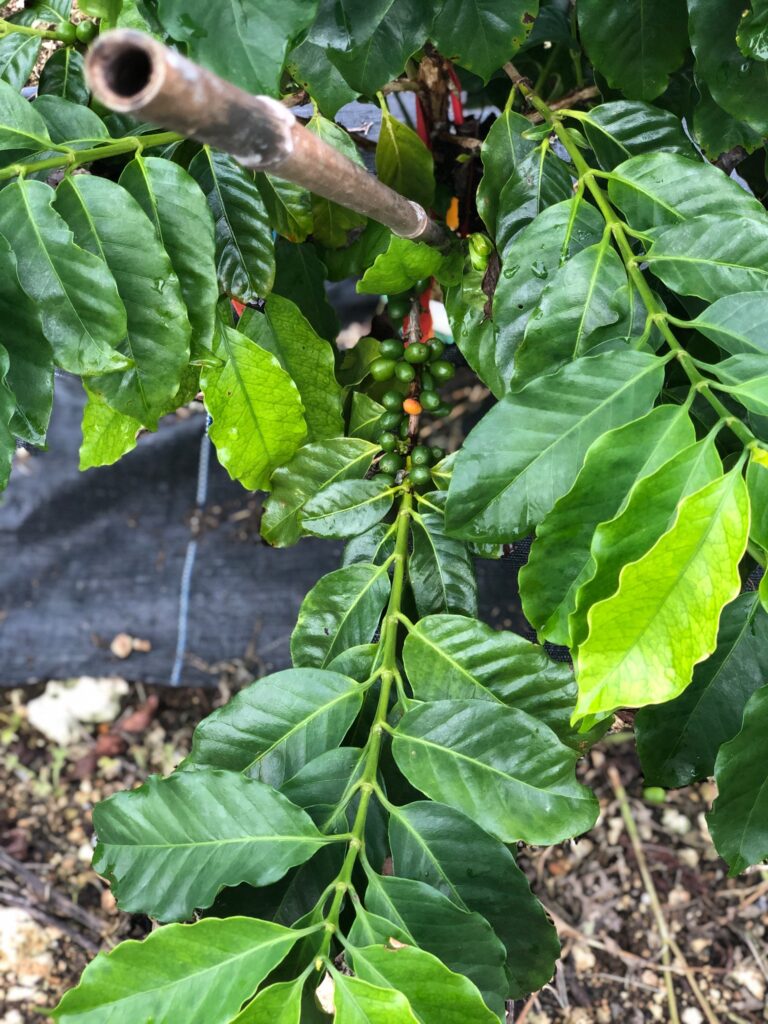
[(343, 834)]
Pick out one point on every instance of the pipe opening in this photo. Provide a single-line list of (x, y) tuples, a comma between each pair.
[(128, 72)]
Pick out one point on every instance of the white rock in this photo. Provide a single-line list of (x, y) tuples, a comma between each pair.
[(59, 711), (691, 1015), (25, 945)]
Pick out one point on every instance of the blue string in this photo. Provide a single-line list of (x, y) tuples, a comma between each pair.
[(201, 496)]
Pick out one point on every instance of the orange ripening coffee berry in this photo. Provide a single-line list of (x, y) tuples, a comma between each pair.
[(412, 406)]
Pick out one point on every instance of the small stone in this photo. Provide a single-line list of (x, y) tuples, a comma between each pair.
[(583, 958), (122, 645), (692, 1015), (674, 822)]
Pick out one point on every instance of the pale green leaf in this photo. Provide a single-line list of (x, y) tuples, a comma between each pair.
[(258, 420), (647, 513), (201, 971), (400, 267), (107, 433), (357, 1002), (279, 1004), (308, 359), (21, 127), (561, 558), (737, 323), (644, 642)]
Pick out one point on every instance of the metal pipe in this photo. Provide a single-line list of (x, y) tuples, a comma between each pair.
[(132, 73)]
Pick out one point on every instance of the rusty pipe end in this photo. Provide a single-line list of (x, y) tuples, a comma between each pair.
[(126, 70)]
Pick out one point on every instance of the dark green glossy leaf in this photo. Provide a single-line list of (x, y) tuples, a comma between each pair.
[(340, 611), (561, 559), (616, 131), (528, 449), (440, 568), (499, 765), (737, 83), (347, 508), (716, 131), (171, 845), (645, 640), (174, 203), (737, 323), (276, 725), (483, 35), (258, 419), (83, 316), (739, 817), (757, 485), (30, 374), (21, 127), (504, 148), (244, 248), (375, 546), (18, 56), (678, 742), (310, 67), (712, 256), (67, 121), (203, 971), (539, 181), (400, 267), (403, 161), (474, 332), (157, 339), (431, 842), (448, 657), (647, 514), (657, 189), (560, 231), (342, 24), (464, 941), (585, 296), (289, 206), (245, 43), (382, 56), (321, 784), (636, 45), (364, 417), (300, 276), (64, 75), (314, 467), (308, 359)]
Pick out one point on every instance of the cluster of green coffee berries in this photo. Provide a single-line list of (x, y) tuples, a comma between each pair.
[(421, 367)]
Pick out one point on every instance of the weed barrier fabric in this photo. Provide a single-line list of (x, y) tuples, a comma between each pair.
[(86, 556)]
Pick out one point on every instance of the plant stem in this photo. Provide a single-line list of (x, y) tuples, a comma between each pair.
[(7, 27), (656, 312), (650, 888), (73, 158), (367, 783)]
